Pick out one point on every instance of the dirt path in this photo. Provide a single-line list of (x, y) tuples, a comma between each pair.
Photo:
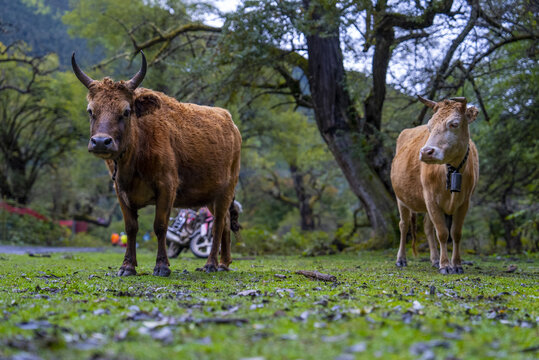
[(24, 249)]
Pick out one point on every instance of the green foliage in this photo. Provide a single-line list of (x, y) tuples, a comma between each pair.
[(258, 240), (37, 23), (84, 239), (34, 126), (18, 229), (508, 145)]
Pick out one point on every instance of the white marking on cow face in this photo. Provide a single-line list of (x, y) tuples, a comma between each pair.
[(448, 137)]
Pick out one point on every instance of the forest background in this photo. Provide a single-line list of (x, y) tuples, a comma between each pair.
[(319, 89)]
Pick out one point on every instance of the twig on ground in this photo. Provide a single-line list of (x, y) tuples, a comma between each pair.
[(317, 275)]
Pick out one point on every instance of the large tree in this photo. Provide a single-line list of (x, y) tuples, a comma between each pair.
[(34, 132)]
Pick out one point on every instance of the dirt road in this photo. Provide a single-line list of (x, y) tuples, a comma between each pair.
[(23, 249)]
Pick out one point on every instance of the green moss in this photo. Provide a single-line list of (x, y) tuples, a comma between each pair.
[(80, 309)]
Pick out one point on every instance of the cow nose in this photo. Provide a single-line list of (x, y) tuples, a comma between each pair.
[(101, 143), (427, 150)]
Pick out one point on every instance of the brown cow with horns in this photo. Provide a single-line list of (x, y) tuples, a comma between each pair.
[(435, 170), (163, 152)]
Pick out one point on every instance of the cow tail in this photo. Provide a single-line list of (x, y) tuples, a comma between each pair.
[(413, 231), (234, 211), (449, 223)]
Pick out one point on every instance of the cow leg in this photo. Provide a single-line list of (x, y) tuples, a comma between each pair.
[(131, 229), (431, 239), (438, 219), (162, 213), (219, 213), (456, 235), (226, 257), (404, 224)]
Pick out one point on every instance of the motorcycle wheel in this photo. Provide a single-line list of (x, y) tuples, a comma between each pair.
[(174, 249), (201, 246)]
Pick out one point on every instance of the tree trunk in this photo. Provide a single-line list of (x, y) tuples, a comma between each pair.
[(339, 125), (379, 156), (305, 209)]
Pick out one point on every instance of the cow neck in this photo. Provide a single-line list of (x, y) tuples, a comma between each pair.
[(115, 172), (450, 170), (124, 156)]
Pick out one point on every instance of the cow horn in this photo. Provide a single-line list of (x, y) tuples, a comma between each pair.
[(137, 79), (427, 102), (83, 78), (459, 99)]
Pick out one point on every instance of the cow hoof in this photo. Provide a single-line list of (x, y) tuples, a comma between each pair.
[(161, 270), (223, 267), (127, 271), (208, 268), (436, 264), (446, 270), (401, 263), (458, 269)]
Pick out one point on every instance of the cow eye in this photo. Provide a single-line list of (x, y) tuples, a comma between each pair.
[(454, 124), (126, 113), (90, 112)]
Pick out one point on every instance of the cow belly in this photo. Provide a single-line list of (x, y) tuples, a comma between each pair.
[(141, 195), (412, 199), (407, 186), (195, 197)]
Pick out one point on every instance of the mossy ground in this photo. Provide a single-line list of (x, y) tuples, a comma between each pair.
[(74, 307)]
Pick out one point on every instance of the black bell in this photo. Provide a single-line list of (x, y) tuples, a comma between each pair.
[(456, 180)]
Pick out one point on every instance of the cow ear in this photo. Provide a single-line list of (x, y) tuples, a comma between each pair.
[(471, 113), (146, 104)]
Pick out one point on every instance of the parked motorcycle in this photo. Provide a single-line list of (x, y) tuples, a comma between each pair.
[(190, 230), (201, 239)]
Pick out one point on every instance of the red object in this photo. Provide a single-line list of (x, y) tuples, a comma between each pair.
[(22, 211), (80, 226)]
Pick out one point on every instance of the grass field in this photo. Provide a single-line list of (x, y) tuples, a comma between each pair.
[(72, 306)]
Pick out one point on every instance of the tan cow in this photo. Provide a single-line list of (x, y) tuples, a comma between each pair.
[(435, 170)]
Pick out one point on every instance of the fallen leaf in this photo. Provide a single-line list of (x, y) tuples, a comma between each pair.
[(25, 356), (237, 321), (101, 312), (345, 357), (121, 335), (249, 293), (39, 255), (356, 348), (425, 348), (204, 341), (34, 325), (511, 268), (281, 292), (333, 339)]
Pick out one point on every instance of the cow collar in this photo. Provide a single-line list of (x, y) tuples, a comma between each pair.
[(453, 176)]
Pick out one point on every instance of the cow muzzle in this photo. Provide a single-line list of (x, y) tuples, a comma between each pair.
[(102, 146), (430, 155)]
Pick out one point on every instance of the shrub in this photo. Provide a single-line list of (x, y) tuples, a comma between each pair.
[(25, 229)]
